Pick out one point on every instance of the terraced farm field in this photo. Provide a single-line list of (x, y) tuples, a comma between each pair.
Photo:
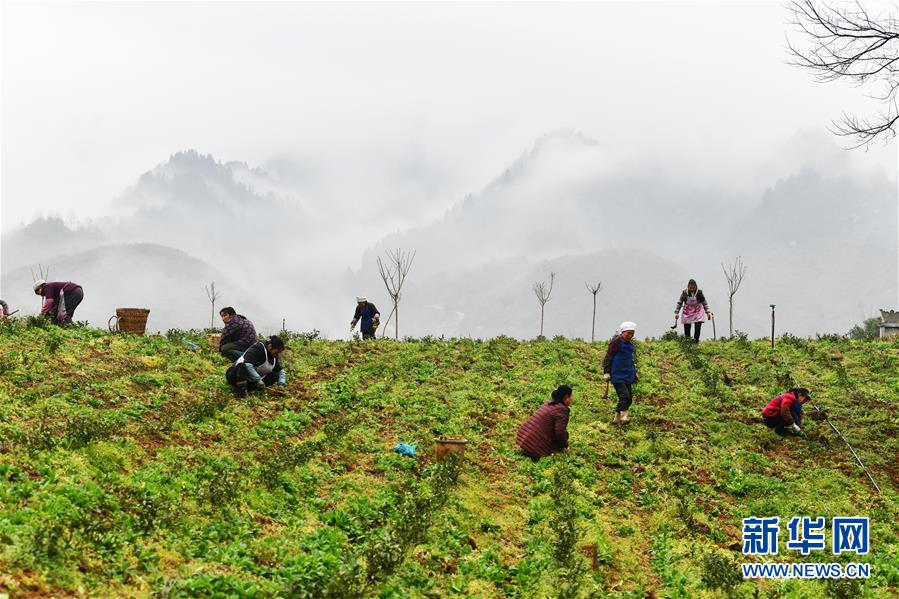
[(128, 469)]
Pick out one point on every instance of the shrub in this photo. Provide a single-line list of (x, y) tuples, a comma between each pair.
[(219, 481), (721, 572), (85, 426)]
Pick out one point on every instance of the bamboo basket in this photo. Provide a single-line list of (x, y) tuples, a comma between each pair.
[(130, 320)]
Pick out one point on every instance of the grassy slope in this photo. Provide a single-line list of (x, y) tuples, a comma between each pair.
[(127, 468)]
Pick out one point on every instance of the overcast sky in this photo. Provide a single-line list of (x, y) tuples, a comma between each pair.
[(95, 94)]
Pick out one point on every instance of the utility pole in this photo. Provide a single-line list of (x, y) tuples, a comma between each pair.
[(772, 326)]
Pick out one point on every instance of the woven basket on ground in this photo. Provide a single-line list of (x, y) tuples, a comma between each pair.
[(131, 320)]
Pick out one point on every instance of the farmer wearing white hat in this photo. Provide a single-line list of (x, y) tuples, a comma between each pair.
[(60, 299), (368, 313), (619, 368)]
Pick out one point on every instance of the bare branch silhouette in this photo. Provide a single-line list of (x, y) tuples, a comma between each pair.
[(734, 274), (593, 289), (845, 42), (213, 295), (393, 272), (543, 293)]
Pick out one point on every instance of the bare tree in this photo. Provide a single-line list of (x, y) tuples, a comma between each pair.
[(845, 42), (543, 293), (594, 289), (42, 274), (734, 274), (213, 295), (393, 273)]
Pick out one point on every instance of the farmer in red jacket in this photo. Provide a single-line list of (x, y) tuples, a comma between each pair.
[(546, 431), (784, 412)]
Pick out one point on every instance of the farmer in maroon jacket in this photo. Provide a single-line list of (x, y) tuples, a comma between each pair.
[(546, 431), (784, 412), (60, 299)]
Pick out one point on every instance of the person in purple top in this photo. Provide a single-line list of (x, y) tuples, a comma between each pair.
[(238, 334), (60, 299)]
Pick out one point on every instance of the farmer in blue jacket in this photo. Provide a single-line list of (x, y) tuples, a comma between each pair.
[(367, 312), (619, 368)]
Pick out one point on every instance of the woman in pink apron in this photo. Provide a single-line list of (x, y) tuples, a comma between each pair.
[(695, 310)]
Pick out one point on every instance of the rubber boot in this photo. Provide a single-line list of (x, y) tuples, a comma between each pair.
[(624, 419)]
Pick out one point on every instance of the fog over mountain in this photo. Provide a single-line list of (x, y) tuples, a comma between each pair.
[(818, 236)]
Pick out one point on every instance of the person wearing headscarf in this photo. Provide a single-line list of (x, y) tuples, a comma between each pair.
[(695, 310), (368, 313), (620, 370), (545, 432), (60, 299)]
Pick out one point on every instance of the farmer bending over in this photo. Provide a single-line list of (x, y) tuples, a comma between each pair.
[(546, 431), (60, 299), (258, 364), (619, 368), (784, 412), (238, 335)]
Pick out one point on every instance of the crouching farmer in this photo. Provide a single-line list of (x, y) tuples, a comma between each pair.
[(259, 364), (238, 335), (784, 412), (546, 431), (619, 368)]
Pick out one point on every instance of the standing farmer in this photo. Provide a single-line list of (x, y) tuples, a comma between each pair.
[(619, 368), (784, 412), (695, 309), (368, 313), (60, 299), (546, 431)]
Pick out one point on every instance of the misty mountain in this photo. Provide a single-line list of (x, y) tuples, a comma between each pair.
[(167, 281), (44, 239), (820, 243), (216, 211), (819, 238), (568, 194)]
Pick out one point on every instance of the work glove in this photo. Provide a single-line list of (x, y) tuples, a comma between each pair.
[(797, 431), (607, 377)]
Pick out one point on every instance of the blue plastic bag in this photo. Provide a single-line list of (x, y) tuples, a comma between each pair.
[(404, 449)]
